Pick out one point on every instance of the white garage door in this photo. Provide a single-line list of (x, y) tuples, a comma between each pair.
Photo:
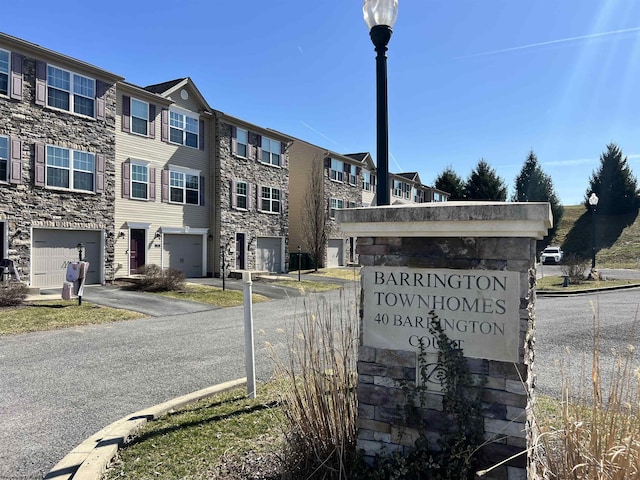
[(334, 253), (54, 249), (184, 252), (269, 254)]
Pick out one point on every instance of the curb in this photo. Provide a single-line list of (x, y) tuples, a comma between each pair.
[(560, 293), (89, 460)]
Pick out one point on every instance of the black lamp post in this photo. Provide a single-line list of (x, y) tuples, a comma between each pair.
[(593, 201), (299, 261), (380, 16), (223, 267)]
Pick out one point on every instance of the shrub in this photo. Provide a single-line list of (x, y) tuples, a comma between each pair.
[(154, 279), (319, 404), (12, 294), (574, 268)]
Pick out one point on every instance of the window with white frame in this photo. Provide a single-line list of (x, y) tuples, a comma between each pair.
[(241, 194), (70, 91), (366, 180), (72, 169), (350, 173), (4, 158), (407, 190), (184, 187), (397, 188), (139, 180), (242, 139), (271, 150), (183, 129), (270, 199), (337, 170), (335, 203), (139, 117), (4, 72)]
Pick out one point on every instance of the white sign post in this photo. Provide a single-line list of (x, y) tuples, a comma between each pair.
[(250, 359)]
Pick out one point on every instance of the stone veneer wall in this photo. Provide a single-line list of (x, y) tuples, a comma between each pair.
[(253, 223), (25, 206), (465, 236), (348, 193)]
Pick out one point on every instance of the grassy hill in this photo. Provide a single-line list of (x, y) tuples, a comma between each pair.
[(617, 237)]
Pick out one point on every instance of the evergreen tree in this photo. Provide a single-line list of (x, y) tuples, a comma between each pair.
[(449, 181), (485, 184), (614, 184), (533, 185)]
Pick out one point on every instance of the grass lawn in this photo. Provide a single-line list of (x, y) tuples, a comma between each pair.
[(344, 273), (54, 314), (212, 295), (307, 285), (555, 283), (192, 441)]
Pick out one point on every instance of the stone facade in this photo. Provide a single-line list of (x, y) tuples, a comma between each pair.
[(508, 394), (254, 224), (351, 195), (27, 206)]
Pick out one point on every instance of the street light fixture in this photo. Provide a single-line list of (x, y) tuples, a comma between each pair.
[(593, 201), (380, 16)]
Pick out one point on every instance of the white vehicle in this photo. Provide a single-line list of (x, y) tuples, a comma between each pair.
[(551, 255)]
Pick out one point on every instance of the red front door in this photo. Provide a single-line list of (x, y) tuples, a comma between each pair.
[(137, 250)]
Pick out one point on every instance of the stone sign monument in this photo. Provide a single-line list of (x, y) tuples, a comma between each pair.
[(472, 265)]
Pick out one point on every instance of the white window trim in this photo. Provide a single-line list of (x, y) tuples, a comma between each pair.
[(185, 113), (7, 159), (339, 173), (271, 201), (246, 145), (70, 169), (7, 73), (71, 92), (131, 100), (140, 163), (333, 208), (246, 195), (270, 163), (184, 171)]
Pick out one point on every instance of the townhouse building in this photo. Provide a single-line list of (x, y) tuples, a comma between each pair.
[(340, 177), (164, 191), (57, 163), (252, 194)]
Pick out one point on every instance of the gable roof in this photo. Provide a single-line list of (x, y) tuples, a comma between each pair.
[(364, 158), (167, 88), (413, 176)]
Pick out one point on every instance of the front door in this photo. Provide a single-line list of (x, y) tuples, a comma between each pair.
[(241, 263), (137, 250)]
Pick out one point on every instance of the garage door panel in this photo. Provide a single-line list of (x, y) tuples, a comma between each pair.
[(269, 254), (54, 249), (184, 253)]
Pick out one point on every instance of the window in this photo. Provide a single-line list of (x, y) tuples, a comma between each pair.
[(139, 117), (337, 168), (241, 195), (335, 203), (139, 181), (407, 190), (366, 180), (270, 151), (183, 129), (350, 173), (242, 137), (270, 200), (418, 195), (4, 158), (4, 72), (184, 187), (397, 188), (70, 169), (70, 91)]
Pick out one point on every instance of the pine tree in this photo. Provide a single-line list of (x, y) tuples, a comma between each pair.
[(485, 184), (533, 185), (449, 181), (614, 184)]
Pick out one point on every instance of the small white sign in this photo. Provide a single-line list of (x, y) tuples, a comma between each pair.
[(478, 309)]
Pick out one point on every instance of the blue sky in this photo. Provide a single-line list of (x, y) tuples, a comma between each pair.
[(468, 79)]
